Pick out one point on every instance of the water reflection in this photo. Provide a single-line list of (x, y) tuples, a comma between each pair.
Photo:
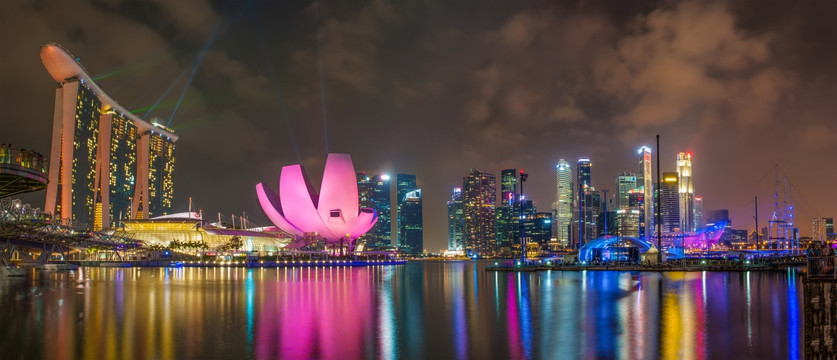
[(421, 310)]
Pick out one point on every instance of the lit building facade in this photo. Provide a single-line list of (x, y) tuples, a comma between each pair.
[(411, 240), (699, 222), (508, 213), (455, 221), (106, 164), (587, 203), (669, 203), (625, 184), (627, 222), (374, 193), (382, 204), (538, 228), (645, 183), (820, 229), (687, 191), (563, 209), (404, 183), (479, 201)]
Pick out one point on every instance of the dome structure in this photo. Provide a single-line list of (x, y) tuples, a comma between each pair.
[(599, 244)]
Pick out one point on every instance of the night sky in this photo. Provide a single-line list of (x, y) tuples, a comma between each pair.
[(434, 88)]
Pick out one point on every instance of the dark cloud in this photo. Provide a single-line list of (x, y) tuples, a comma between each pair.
[(435, 88)]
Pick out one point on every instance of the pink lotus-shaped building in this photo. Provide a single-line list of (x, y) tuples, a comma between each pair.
[(333, 214)]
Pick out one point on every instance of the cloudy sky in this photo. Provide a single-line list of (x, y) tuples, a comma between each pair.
[(434, 88)]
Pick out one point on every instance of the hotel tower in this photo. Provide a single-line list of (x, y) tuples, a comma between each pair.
[(106, 164)]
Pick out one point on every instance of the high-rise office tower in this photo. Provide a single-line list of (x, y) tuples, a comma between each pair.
[(645, 182), (627, 222), (508, 213), (374, 193), (382, 203), (821, 228), (479, 199), (669, 203), (106, 164), (411, 228), (563, 209), (538, 228), (404, 183), (625, 183), (455, 220), (508, 187), (586, 206), (699, 224), (686, 191)]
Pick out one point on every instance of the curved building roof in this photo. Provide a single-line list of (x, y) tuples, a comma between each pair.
[(62, 66)]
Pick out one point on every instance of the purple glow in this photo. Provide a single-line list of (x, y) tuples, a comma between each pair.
[(333, 213)]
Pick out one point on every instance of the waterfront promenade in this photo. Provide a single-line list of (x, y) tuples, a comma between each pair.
[(731, 265)]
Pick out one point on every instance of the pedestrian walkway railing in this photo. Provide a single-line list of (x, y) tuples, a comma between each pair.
[(822, 267)]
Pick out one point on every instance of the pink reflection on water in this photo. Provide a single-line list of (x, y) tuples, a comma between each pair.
[(515, 351), (319, 313)]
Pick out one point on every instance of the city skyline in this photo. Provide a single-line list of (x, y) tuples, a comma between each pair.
[(484, 111)]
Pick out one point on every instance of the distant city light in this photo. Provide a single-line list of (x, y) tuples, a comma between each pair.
[(385, 177)]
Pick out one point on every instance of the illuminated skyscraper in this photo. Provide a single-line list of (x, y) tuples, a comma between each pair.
[(822, 228), (455, 220), (479, 200), (669, 203), (645, 183), (411, 240), (586, 205), (699, 222), (107, 163), (563, 209), (404, 183), (508, 213), (625, 184), (687, 191), (160, 171), (374, 193), (538, 228)]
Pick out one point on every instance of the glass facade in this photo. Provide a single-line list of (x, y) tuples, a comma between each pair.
[(645, 183), (479, 201), (411, 229), (588, 201), (508, 213), (404, 183), (687, 191), (85, 151), (455, 220), (123, 168), (669, 203), (374, 193), (538, 228), (564, 203), (160, 171)]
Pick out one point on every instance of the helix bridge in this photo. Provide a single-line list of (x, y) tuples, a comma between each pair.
[(34, 238)]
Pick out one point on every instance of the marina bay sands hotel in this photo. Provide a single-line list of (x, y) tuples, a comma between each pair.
[(106, 164)]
